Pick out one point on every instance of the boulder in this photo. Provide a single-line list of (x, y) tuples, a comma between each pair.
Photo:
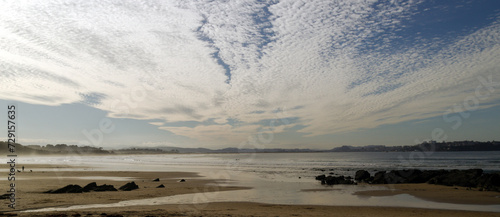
[(90, 187), (393, 177), (67, 189), (5, 196), (182, 180), (378, 178), (156, 180), (362, 175), (410, 176), (105, 188), (320, 177), (489, 182), (129, 186), (427, 175), (464, 178), (161, 186)]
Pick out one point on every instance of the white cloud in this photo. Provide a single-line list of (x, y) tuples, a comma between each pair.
[(165, 61)]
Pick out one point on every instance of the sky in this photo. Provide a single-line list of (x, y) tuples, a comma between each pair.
[(250, 74)]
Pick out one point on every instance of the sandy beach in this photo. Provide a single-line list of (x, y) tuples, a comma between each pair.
[(31, 185)]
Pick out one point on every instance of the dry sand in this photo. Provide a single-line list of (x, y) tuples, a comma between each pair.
[(30, 188)]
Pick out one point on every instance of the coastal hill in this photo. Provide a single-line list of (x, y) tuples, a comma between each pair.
[(61, 149), (426, 146), (64, 149)]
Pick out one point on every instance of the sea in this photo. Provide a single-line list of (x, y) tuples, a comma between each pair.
[(281, 178)]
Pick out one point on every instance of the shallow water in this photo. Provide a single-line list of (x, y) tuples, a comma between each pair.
[(274, 178)]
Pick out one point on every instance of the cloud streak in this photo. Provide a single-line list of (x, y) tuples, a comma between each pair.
[(342, 65)]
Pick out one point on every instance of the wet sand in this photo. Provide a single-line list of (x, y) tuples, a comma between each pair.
[(31, 185), (257, 209), (439, 193)]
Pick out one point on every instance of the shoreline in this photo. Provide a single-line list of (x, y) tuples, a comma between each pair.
[(32, 184)]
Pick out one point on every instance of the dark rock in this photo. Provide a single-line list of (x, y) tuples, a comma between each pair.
[(90, 187), (393, 177), (410, 176), (105, 188), (94, 187), (402, 176), (67, 189), (471, 178), (427, 175), (464, 178), (77, 189), (182, 180), (320, 177), (5, 196), (378, 178), (336, 180), (129, 186), (156, 180), (489, 182), (362, 175), (161, 186)]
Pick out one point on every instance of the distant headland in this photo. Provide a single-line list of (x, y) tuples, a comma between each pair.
[(64, 149)]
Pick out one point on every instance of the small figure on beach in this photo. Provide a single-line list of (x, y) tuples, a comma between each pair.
[(23, 168)]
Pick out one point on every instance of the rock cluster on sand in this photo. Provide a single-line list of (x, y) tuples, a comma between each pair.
[(92, 187), (474, 178)]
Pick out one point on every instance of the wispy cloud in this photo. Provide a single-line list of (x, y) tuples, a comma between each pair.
[(343, 65)]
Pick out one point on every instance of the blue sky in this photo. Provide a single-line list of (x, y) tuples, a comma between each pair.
[(265, 74)]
